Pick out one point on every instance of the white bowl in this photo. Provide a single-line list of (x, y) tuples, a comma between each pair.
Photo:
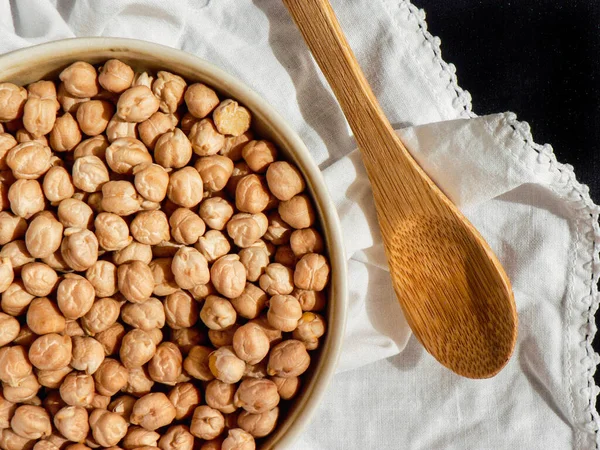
[(45, 61)]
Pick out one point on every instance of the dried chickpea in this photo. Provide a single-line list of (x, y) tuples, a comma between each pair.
[(196, 363), (93, 116), (10, 440), (259, 155), (94, 146), (287, 387), (181, 310), (89, 173), (220, 395), (103, 277), (205, 138), (142, 79), (207, 423), (16, 252), (135, 281), (7, 409), (150, 227), (9, 329), (43, 317), (312, 272), (307, 240), (123, 154), (186, 338), (225, 365), (238, 439), (298, 212), (6, 273), (169, 89), (12, 101), (108, 428), (145, 316), (11, 227), (80, 249), (110, 377), (15, 299), (153, 411), (164, 281), (186, 226), (251, 302), (228, 275), (7, 142), (250, 343), (58, 184), (151, 181), (222, 338), (277, 280), (72, 328), (77, 389), (65, 134), (80, 79), (137, 104), (26, 198), (231, 118), (185, 397), (23, 390), (166, 364), (50, 351), (139, 382), (88, 354), (259, 425), (74, 213), (190, 268), (153, 128), (138, 437), (285, 256), (273, 334), (29, 160), (115, 76), (200, 100), (284, 312), (215, 171), (257, 395), (22, 135), (288, 359), (38, 278), (217, 313), (72, 423), (173, 149), (103, 313), (185, 187), (39, 115), (133, 252), (245, 229), (14, 365), (137, 348), (213, 245), (123, 405), (68, 102), (177, 437), (251, 194), (111, 338), (202, 291), (216, 212), (278, 232), (118, 128), (75, 296), (43, 236)]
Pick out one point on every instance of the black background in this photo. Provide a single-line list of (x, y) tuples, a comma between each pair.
[(537, 58)]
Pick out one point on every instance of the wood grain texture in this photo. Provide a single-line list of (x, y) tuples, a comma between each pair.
[(452, 288)]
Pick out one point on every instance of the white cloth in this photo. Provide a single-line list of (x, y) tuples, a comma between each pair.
[(539, 220)]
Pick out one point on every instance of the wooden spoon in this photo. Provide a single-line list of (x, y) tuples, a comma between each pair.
[(455, 294)]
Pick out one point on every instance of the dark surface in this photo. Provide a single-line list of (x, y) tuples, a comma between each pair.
[(537, 58)]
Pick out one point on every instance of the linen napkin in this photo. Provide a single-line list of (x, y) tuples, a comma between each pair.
[(539, 220)]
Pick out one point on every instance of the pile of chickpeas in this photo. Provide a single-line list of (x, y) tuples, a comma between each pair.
[(161, 275)]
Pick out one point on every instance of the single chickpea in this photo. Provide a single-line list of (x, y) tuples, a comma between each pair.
[(88, 354), (169, 89), (225, 365), (80, 79), (285, 180), (7, 274), (150, 227), (43, 236), (44, 317), (288, 388), (298, 212), (277, 280), (80, 249), (7, 142), (108, 428), (58, 184), (220, 396), (228, 275), (213, 245), (90, 173), (77, 389), (251, 194), (137, 104), (259, 425), (284, 312), (24, 390), (166, 364), (312, 272), (285, 256), (215, 171), (7, 409), (278, 231), (196, 363), (181, 311), (238, 439), (145, 316), (223, 338), (137, 348), (65, 134), (39, 114), (9, 329), (44, 90), (133, 252), (12, 101), (72, 423), (202, 291), (139, 382), (235, 144), (112, 231), (205, 138), (257, 395), (15, 299), (115, 76), (139, 437), (153, 411), (153, 128), (50, 351), (173, 149), (11, 227), (151, 181), (74, 213), (123, 154), (26, 198), (29, 160), (259, 155), (16, 252), (72, 328), (186, 338), (103, 277), (14, 365), (177, 437), (185, 397), (207, 423), (288, 359), (122, 405), (39, 279), (135, 281), (118, 128), (10, 440), (190, 268), (307, 240), (110, 377), (231, 118), (245, 229), (94, 146), (93, 116), (103, 313), (111, 338), (251, 302), (216, 212), (250, 343), (68, 102), (200, 100), (186, 226), (272, 333), (164, 283), (185, 187)]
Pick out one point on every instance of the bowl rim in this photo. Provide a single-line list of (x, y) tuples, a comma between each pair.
[(16, 61)]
